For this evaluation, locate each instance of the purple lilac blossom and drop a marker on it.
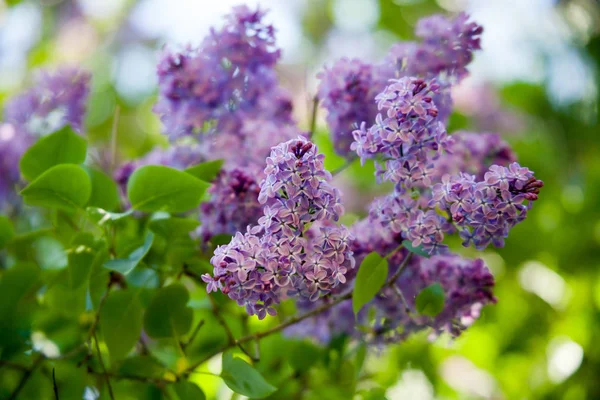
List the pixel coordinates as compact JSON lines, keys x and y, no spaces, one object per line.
{"x":347,"y":91}
{"x":12,"y":146}
{"x":467,"y":286}
{"x":294,"y":251}
{"x":407,"y":134}
{"x":55,"y":99}
{"x":474,"y":153}
{"x":228,"y":79}
{"x":484,"y":211}
{"x":233,"y":204}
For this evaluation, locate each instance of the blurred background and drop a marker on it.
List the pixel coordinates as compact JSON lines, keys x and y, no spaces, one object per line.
{"x":535,"y":82}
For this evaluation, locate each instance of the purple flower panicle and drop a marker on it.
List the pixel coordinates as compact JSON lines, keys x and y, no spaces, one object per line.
{"x":295,"y":250}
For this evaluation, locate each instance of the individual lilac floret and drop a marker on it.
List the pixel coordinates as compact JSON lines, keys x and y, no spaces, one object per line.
{"x":474,"y":153}
{"x":56,"y":99}
{"x":294,"y":250}
{"x":408,"y":135}
{"x":228,"y":79}
{"x":486,"y":210}
{"x":347,"y":91}
{"x":233,"y":204}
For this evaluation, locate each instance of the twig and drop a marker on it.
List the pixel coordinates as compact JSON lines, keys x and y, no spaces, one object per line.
{"x":106,"y":375}
{"x":313,"y":117}
{"x":26,"y":377}
{"x":54,"y":385}
{"x":223,"y":323}
{"x":343,"y":167}
{"x":397,"y":274}
{"x":193,"y":335}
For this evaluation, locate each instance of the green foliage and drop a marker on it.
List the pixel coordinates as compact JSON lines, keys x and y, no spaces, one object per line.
{"x":243,"y":379}
{"x":105,"y":194}
{"x":171,"y":228}
{"x":7,"y":232}
{"x":206,"y":171}
{"x":122,"y":317}
{"x":186,"y":391}
{"x":126,"y":265}
{"x":168,"y":314}
{"x":157,"y":188}
{"x":430,"y":300}
{"x":371,"y":277}
{"x":61,"y":147}
{"x":407,"y":244}
{"x":65,"y":187}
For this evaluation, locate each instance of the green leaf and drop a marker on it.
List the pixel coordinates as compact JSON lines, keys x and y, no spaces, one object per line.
{"x":242,"y":378}
{"x":304,"y":355}
{"x":126,"y":265}
{"x":64,"y":186}
{"x":171,"y":228}
{"x":103,"y":217}
{"x":61,"y":147}
{"x":158,"y":188}
{"x":7,"y":232}
{"x":187,"y":391}
{"x":370,"y":278}
{"x":168,"y":314}
{"x":81,"y":255}
{"x":15,"y":283}
{"x":430,"y":301}
{"x":105,"y":194}
{"x":207,"y":171}
{"x":417,"y":250}
{"x":49,"y":253}
{"x":121,"y":318}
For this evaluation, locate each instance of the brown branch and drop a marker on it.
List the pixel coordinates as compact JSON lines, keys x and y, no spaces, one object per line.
{"x":313,"y":117}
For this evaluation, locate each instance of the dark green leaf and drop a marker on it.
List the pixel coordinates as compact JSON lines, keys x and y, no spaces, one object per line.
{"x":371,"y":277}
{"x":143,"y":366}
{"x":417,"y":250}
{"x":171,"y":228}
{"x":7,"y":232}
{"x":121,"y":319}
{"x":15,"y":283}
{"x":103,"y":217}
{"x":126,"y":265}
{"x":158,"y":188}
{"x":207,"y":171}
{"x":187,"y":391}
{"x":64,"y":186}
{"x":168,"y":314}
{"x":105,"y":194}
{"x":430,"y":301}
{"x":61,"y":147}
{"x":304,"y":355}
{"x":242,"y":378}
{"x":81,"y":254}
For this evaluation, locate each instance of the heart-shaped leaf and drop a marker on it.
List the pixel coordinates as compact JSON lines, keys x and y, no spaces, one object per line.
{"x":168,"y":314}
{"x":371,"y":277}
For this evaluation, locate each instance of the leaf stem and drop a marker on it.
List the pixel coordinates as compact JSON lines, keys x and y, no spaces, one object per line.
{"x":105,"y":373}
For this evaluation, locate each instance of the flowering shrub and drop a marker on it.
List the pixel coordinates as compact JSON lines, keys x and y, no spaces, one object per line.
{"x":241,"y":203}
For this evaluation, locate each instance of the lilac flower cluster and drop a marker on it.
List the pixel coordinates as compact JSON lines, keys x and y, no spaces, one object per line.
{"x":391,"y":316}
{"x":486,"y":210}
{"x":408,"y":136}
{"x":12,"y":147}
{"x":56,"y":99}
{"x":347,"y":91}
{"x":233,"y":204}
{"x":225,"y":81}
{"x":294,"y":250}
{"x":474,"y":153}
{"x":446,"y":48}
